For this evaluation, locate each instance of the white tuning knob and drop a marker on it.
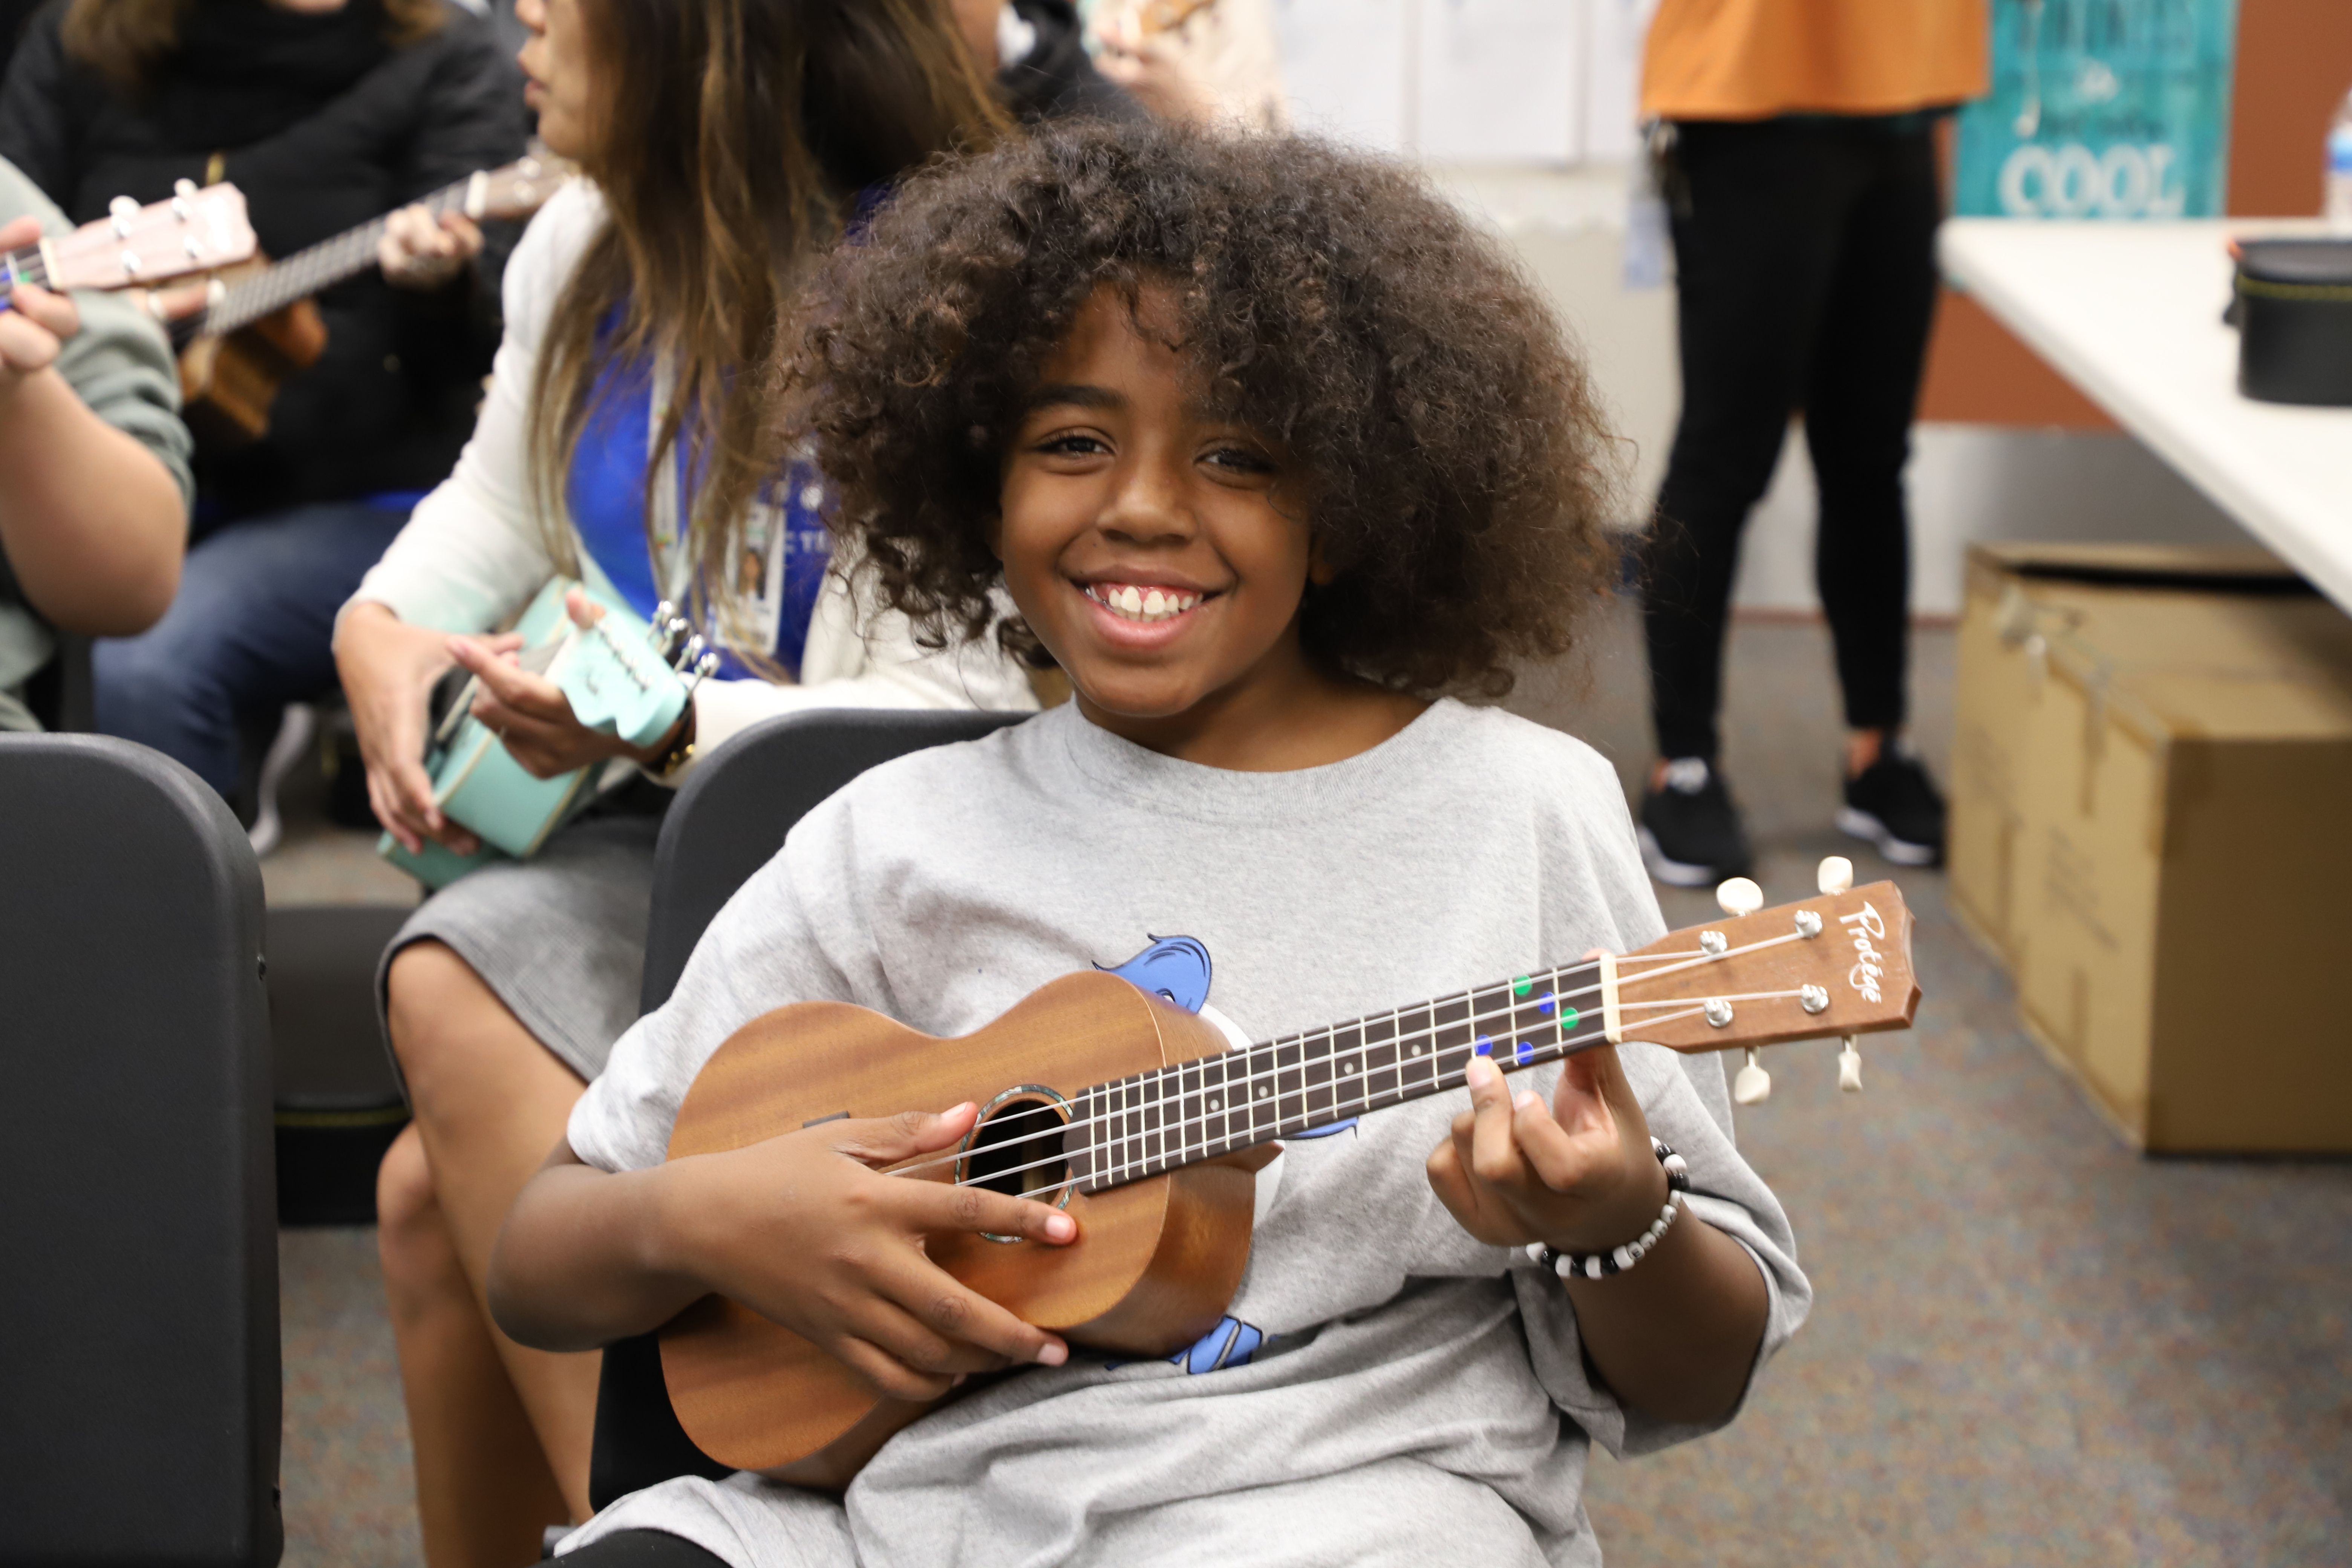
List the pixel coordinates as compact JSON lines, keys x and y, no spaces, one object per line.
{"x":1849,"y":1067}
{"x":1753,"y":1084}
{"x":1836,"y":875}
{"x":1739,"y":896}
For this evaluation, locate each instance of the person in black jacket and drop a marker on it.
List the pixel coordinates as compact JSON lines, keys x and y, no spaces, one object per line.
{"x":325,"y":113}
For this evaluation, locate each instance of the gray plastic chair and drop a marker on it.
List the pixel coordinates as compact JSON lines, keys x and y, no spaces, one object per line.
{"x":138,"y":1372}
{"x":727,"y":821}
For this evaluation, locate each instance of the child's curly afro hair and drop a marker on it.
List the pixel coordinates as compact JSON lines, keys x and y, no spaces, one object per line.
{"x":1429,"y":412}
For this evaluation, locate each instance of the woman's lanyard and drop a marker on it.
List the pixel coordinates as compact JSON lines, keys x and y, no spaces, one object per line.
{"x":769,"y":598}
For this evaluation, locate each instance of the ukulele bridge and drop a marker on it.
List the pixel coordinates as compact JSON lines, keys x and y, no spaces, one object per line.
{"x":1016,"y":1146}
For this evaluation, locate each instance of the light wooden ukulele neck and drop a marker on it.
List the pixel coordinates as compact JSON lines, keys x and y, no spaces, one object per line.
{"x":518,"y":190}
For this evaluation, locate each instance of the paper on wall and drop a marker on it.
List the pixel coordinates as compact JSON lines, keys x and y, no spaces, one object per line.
{"x":1501,"y":80}
{"x":1344,"y":64}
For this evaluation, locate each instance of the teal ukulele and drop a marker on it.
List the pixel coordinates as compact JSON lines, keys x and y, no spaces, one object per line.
{"x":624,"y":676}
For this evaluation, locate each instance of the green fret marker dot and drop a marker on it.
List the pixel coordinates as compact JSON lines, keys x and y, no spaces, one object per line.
{"x":1522,"y":985}
{"x":1567,"y":1019}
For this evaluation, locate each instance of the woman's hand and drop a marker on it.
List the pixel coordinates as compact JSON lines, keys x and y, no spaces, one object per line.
{"x":35,"y":323}
{"x":388,"y":669}
{"x":416,"y":252}
{"x":805,"y":1230}
{"x":531,"y":715}
{"x":1578,"y":1175}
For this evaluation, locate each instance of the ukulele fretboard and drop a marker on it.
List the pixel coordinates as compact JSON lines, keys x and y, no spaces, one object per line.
{"x":321,"y":266}
{"x":1156,"y":1122}
{"x":25,"y":266}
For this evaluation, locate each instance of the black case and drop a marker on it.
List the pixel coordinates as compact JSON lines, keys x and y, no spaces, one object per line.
{"x":2294,"y":313}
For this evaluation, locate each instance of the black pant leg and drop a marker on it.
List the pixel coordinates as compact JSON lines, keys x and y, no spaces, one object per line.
{"x":1860,"y":401}
{"x":1754,"y":246}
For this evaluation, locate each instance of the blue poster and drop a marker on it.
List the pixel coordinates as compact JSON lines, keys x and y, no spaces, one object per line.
{"x":2102,"y":109}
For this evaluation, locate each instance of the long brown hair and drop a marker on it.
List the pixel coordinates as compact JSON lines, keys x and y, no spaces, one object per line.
{"x":735,"y":133}
{"x":122,"y":40}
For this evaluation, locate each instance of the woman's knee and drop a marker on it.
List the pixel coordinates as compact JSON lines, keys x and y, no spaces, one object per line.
{"x":430,"y":994}
{"x":412,"y":1238}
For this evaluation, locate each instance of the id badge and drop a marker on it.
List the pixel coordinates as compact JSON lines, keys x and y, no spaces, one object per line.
{"x":759,"y":585}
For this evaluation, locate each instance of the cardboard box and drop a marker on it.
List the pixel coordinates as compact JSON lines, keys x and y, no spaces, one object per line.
{"x":2152,"y":825}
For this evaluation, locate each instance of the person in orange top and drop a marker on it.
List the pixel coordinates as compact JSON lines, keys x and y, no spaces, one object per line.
{"x":1797,"y":157}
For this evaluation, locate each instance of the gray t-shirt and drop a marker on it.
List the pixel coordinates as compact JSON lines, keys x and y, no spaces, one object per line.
{"x":120,"y":363}
{"x":1385,"y":1388}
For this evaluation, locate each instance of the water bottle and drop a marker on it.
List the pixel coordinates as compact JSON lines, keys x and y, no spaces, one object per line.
{"x":2339,"y":205}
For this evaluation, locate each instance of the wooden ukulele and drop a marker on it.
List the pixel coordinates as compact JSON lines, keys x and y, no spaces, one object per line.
{"x":243,"y":339}
{"x":1136,"y":1116}
{"x":194,"y":231}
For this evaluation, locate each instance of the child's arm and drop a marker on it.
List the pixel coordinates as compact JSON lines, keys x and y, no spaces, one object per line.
{"x":802,"y":1229}
{"x":1676,"y":1337}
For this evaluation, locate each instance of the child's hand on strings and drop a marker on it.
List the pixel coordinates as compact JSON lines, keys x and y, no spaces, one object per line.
{"x":805,"y":1230}
{"x":1578,"y":1175}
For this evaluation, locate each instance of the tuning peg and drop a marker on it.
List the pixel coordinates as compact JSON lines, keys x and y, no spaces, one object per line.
{"x":1753,"y":1084}
{"x":1849,"y":1067}
{"x":1836,"y":875}
{"x":1739,"y":896}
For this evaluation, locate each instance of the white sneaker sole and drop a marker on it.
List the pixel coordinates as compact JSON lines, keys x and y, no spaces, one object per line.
{"x":1862,"y":824}
{"x":1673,"y":873}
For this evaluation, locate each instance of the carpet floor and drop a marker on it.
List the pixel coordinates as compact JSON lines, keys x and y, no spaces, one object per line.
{"x":2029,"y":1346}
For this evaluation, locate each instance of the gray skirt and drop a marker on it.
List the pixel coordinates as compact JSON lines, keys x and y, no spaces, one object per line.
{"x":558,"y":938}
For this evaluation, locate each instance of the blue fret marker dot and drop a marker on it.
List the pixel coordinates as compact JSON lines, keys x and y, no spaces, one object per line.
{"x":1485,"y":1048}
{"x":1527,"y":1052}
{"x":1545,"y":1003}
{"x":1522,"y":985}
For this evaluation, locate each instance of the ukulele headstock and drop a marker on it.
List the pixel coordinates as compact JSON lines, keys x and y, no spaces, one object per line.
{"x":197,"y":230}
{"x":1836,"y":964}
{"x":517,"y":189}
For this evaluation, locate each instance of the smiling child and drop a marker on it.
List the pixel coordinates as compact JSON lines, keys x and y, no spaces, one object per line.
{"x":1272,"y":453}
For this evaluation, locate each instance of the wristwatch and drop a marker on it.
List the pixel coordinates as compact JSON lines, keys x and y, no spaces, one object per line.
{"x":679,"y":752}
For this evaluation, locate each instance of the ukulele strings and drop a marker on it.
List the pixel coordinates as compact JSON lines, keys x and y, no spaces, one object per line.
{"x":25,"y":266}
{"x":1428,"y":1032}
{"x":317,"y":266}
{"x":1558,"y":1051}
{"x":1535,"y":1056}
{"x":1684,"y":958}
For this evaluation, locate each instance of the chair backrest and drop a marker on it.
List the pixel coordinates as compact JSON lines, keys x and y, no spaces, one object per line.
{"x":727,"y":821}
{"x":138,"y":1372}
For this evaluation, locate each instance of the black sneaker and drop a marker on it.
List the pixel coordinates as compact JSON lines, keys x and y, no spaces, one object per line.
{"x":1896,"y":807}
{"x":1691,"y":835}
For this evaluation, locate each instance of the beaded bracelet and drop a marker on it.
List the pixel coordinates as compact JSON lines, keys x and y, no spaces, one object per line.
{"x":1617,"y":1259}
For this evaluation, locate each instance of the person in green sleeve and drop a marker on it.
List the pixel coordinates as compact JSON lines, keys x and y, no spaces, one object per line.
{"x":94,"y":478}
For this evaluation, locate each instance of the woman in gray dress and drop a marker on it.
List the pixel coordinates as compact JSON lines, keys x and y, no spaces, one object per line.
{"x":725,"y":139}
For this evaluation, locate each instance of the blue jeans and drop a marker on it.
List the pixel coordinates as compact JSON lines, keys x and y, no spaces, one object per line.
{"x":250,"y":631}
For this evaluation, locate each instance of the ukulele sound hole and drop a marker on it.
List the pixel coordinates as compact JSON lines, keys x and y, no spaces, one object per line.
{"x":1016,"y":1148}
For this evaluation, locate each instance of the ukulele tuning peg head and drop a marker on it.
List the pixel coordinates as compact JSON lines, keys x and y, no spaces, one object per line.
{"x":707,"y":665}
{"x":1849,"y":1067}
{"x":1835,"y":876}
{"x":1753,"y":1084}
{"x":1739,"y":896}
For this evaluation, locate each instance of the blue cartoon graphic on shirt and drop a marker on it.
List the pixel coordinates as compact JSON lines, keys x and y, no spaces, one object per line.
{"x":1173,"y":967}
{"x":1177,"y":969}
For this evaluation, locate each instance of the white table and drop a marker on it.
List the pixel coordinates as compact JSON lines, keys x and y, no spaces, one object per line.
{"x":2131,"y":312}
